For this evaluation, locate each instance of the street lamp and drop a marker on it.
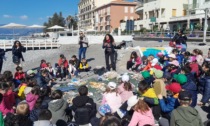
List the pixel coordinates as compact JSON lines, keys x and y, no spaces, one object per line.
{"x":205,"y":24}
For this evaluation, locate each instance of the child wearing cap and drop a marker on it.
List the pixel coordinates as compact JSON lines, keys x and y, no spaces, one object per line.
{"x":112,"y":97}
{"x":142,"y":115}
{"x":186,"y":70}
{"x":125,"y":89}
{"x":187,"y":85}
{"x":155,"y":64}
{"x":171,"y":102}
{"x":149,"y":96}
{"x":147,"y":77}
{"x":185,"y":115}
{"x":172,"y":60}
{"x":178,"y":55}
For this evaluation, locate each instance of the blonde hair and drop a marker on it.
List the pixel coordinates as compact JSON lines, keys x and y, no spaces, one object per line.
{"x":22,"y":108}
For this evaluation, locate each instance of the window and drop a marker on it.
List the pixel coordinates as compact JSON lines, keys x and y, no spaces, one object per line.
{"x":126,"y":9}
{"x":126,"y":18}
{"x":184,"y":13}
{"x":132,"y":10}
{"x":173,"y":12}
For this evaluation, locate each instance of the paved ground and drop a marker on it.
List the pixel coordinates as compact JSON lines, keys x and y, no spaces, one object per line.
{"x":95,"y":53}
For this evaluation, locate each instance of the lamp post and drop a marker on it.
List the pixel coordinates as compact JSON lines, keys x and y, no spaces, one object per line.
{"x":206,"y":10}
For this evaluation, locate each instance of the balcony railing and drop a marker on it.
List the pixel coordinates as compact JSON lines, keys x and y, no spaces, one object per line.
{"x":193,"y":6}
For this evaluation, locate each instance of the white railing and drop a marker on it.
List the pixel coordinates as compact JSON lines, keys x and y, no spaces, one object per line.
{"x":31,"y":43}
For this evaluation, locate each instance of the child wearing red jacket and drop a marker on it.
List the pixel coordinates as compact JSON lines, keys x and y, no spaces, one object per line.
{"x":19,"y":75}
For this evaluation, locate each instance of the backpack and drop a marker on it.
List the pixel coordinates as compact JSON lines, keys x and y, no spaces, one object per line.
{"x":82,"y":115}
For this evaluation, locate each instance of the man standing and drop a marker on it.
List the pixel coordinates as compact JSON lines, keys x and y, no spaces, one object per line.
{"x":2,"y":53}
{"x":83,"y":42}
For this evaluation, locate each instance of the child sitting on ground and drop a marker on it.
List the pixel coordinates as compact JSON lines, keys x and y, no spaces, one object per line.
{"x":50,"y":69}
{"x":62,"y":72}
{"x":32,"y":97}
{"x":125,"y":89}
{"x":185,"y":115}
{"x":19,"y":74}
{"x":72,"y":70}
{"x":111,"y":97}
{"x":83,"y":66}
{"x":171,"y":102}
{"x":43,"y":64}
{"x":44,"y":118}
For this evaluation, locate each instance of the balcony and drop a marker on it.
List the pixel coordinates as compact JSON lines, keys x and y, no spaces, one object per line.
{"x":187,"y":17}
{"x":193,"y":6}
{"x":139,"y":8}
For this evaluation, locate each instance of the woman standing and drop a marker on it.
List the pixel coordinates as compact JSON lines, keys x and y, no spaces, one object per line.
{"x":17,"y":50}
{"x":109,"y":46}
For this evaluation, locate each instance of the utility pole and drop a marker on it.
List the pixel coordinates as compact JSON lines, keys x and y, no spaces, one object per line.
{"x":206,"y":10}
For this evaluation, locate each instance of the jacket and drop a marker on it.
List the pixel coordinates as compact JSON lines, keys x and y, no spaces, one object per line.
{"x":34,"y":114}
{"x":18,"y":52}
{"x":159,"y":87}
{"x":185,"y":116}
{"x":57,"y":108}
{"x":83,"y":65}
{"x":142,"y":119}
{"x":180,"y":39}
{"x":83,"y":42}
{"x":137,"y":61}
{"x":195,"y":68}
{"x":1,"y":120}
{"x":180,"y":58}
{"x":20,"y":76}
{"x":31,"y":100}
{"x":42,"y":81}
{"x":192,"y":88}
{"x":110,"y":48}
{"x":43,"y":123}
{"x":4,"y":108}
{"x":21,"y":89}
{"x":113,"y":100}
{"x":65,"y":63}
{"x":125,"y":95}
{"x":205,"y":82}
{"x":10,"y":99}
{"x":2,"y":54}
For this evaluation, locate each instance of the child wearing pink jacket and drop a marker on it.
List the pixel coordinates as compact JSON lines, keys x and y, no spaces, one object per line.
{"x":32,"y":97}
{"x":111,"y":97}
{"x":142,"y":115}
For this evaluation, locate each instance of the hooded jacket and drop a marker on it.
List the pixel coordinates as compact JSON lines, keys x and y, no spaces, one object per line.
{"x":205,"y":88}
{"x":31,"y":100}
{"x":43,"y":123}
{"x":142,"y":118}
{"x":185,"y":116}
{"x":57,"y":108}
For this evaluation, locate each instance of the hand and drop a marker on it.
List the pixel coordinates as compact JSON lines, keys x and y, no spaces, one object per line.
{"x":200,"y":103}
{"x":160,"y":96}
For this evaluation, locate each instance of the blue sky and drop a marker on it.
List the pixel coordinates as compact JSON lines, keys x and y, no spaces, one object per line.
{"x":30,"y":12}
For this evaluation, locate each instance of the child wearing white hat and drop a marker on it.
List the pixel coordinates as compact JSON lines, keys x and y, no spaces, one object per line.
{"x":111,"y":97}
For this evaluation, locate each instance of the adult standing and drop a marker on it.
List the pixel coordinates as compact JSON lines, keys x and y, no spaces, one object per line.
{"x":109,"y":46}
{"x":2,"y":53}
{"x":17,"y":55}
{"x":180,"y":39}
{"x":83,"y":42}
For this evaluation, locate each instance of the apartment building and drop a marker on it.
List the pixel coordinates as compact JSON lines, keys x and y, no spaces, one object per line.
{"x":108,"y":16}
{"x":86,"y":13}
{"x":157,"y":12}
{"x":195,"y":15}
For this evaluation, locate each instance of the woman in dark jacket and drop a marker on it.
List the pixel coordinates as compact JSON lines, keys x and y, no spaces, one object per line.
{"x":17,"y":55}
{"x":181,"y":39}
{"x":109,"y":46}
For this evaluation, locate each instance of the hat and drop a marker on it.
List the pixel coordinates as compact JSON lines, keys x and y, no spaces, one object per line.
{"x":145,"y":74}
{"x":154,"y":61}
{"x":174,"y":62}
{"x":172,"y":56}
{"x":27,"y":90}
{"x":158,"y":73}
{"x":185,"y":95}
{"x":192,"y":59}
{"x":180,"y":78}
{"x":174,"y":87}
{"x":112,"y":85}
{"x":178,"y":46}
{"x":132,"y":101}
{"x":104,"y":109}
{"x":167,"y":75}
{"x":159,"y":54}
{"x":125,"y":78}
{"x":29,"y":72}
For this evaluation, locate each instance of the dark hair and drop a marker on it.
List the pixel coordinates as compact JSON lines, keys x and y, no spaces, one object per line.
{"x":74,"y":56}
{"x":44,"y":72}
{"x":83,"y":90}
{"x":38,"y":103}
{"x":43,"y":61}
{"x":175,"y":51}
{"x":134,"y":54}
{"x":45,"y":115}
{"x":187,"y":53}
{"x":71,"y":62}
{"x":45,"y":92}
{"x":35,"y":90}
{"x":16,"y":43}
{"x":57,"y":94}
{"x":207,"y":65}
{"x":110,"y":120}
{"x":187,"y":69}
{"x":8,"y":76}
{"x":127,"y":86}
{"x":4,"y":86}
{"x":31,"y":82}
{"x":198,"y":51}
{"x":61,"y":56}
{"x":143,"y":86}
{"x":110,"y":37}
{"x":18,"y":68}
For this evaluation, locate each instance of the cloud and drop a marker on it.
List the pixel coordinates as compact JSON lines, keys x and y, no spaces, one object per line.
{"x":40,"y":18}
{"x":7,"y":16}
{"x":24,"y":17}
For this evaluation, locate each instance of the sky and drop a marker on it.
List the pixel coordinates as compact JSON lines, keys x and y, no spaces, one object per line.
{"x":29,"y":12}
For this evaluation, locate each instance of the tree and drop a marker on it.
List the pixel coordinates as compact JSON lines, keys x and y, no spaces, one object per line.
{"x":56,"y":19}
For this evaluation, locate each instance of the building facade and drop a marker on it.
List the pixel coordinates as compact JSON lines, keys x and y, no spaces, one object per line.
{"x":158,"y":12}
{"x":109,"y":16}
